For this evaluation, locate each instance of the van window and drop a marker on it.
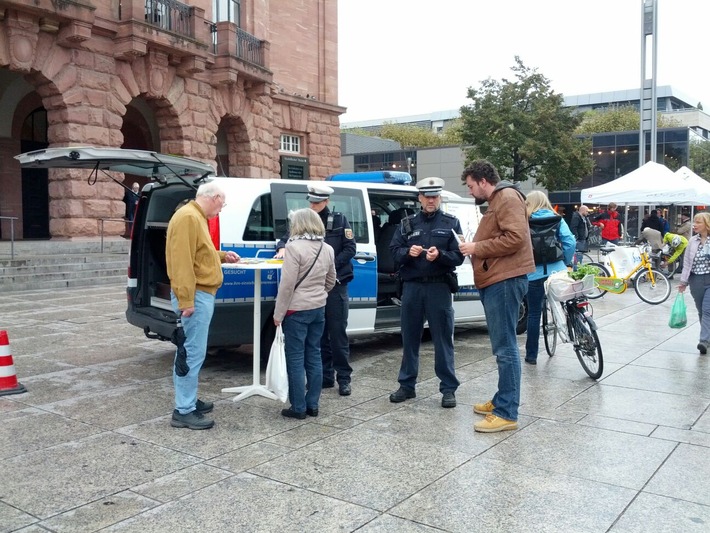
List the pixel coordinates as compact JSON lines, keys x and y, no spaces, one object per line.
{"x":348,"y":202}
{"x":260,"y":223}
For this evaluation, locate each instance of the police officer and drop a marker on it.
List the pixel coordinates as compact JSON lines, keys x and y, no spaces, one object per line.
{"x":427,"y":249}
{"x":335,"y":349}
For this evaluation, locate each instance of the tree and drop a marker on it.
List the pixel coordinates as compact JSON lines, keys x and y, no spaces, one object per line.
{"x":523,"y":128}
{"x":409,"y":135}
{"x":618,"y":118}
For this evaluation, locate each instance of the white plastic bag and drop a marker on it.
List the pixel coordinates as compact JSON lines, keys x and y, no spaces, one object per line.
{"x":276,"y":375}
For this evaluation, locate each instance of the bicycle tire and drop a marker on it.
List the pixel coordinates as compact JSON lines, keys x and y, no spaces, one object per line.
{"x":586,"y":343}
{"x":652,"y":293}
{"x":670,"y":269}
{"x":597,"y":292}
{"x":549,"y":329}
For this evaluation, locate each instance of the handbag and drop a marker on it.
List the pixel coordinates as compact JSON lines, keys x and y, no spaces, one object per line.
{"x":276,"y":374}
{"x":679,"y":317}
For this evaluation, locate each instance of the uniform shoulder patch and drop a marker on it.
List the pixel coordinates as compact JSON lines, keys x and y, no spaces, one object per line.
{"x":348,"y":233}
{"x":448,"y":215}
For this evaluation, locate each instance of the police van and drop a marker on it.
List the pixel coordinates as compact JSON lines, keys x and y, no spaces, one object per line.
{"x":254,"y":219}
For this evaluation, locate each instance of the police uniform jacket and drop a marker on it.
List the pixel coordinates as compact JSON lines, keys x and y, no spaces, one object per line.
{"x":339,"y":235}
{"x":427,"y":231}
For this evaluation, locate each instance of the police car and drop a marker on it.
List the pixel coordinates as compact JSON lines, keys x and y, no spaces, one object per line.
{"x":254,"y":219}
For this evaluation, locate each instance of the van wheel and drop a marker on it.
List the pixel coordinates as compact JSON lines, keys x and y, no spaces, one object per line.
{"x":268,"y":333}
{"x":522,"y":325}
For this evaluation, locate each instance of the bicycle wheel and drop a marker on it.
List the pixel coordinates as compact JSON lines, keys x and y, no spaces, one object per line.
{"x":595,"y":293}
{"x":586,"y":343}
{"x":652,"y":292}
{"x":669,"y":269}
{"x":549,"y":329}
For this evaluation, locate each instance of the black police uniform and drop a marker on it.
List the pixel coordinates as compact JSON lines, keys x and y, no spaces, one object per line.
{"x":335,"y":348}
{"x":426,"y":293}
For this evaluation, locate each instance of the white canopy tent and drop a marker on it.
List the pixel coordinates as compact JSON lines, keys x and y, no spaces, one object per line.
{"x":652,"y":184}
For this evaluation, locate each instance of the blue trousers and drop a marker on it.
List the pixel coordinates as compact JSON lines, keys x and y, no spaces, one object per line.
{"x":196,"y":328}
{"x":699,"y":285}
{"x":433,"y":302}
{"x":335,"y":347}
{"x":302,"y":336}
{"x":536,"y":303}
{"x":501,"y":302}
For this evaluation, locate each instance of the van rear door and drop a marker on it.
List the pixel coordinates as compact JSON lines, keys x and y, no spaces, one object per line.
{"x":351,"y":200}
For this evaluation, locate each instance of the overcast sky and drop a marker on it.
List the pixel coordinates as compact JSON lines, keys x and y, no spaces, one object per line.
{"x":411,"y":57}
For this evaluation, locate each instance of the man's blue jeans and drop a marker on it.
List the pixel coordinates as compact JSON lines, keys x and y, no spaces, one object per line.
{"x":302,"y":336}
{"x":501,"y":302}
{"x":196,"y":328}
{"x":536,"y":303}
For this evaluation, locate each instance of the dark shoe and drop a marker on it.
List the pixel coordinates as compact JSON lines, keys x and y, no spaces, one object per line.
{"x":702,"y":347}
{"x":448,"y":400}
{"x":192,"y":420}
{"x":289,"y":413}
{"x":204,"y":407}
{"x":402,"y":394}
{"x":344,"y":389}
{"x":531,"y":361}
{"x":311,"y":412}
{"x":328,"y":384}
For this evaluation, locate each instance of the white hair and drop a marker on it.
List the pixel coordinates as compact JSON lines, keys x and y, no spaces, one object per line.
{"x":211,"y":189}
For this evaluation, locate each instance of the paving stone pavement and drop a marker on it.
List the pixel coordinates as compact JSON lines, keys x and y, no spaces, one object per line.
{"x":89,"y":447}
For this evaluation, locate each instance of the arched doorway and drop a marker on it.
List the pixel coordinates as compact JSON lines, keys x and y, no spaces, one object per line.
{"x":35,"y":181}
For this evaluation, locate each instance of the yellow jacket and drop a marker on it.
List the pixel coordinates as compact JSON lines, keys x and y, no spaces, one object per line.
{"x":193,"y":263}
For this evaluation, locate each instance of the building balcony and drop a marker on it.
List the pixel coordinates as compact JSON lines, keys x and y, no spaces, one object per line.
{"x":238,"y":54}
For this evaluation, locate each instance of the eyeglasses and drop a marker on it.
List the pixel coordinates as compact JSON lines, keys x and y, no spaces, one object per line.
{"x":221,"y":199}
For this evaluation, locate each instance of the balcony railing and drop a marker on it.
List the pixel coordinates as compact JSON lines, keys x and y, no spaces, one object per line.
{"x":169,"y":15}
{"x":249,"y":48}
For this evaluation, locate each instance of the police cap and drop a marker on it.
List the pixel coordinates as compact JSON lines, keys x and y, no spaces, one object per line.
{"x":430,"y":186}
{"x":318,"y":193}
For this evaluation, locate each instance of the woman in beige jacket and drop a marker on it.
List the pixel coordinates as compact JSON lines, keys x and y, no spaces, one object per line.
{"x":307,"y":275}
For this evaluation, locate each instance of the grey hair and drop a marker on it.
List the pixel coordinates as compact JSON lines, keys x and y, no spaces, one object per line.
{"x":306,"y":222}
{"x":211,"y":189}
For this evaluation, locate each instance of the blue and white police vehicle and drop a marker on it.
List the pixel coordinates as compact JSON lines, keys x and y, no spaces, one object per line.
{"x":255,"y":217}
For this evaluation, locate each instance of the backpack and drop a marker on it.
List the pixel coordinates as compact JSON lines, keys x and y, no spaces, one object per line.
{"x":546,"y":245}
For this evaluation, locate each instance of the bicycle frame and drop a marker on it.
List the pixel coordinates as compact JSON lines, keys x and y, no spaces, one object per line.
{"x":617,"y":285}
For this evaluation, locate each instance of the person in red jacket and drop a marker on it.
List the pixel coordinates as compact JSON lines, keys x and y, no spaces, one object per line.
{"x":610,"y":224}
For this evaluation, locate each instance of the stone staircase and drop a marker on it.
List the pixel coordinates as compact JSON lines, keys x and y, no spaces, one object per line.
{"x":61,"y":264}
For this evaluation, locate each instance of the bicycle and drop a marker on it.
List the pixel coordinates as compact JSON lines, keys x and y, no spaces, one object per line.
{"x":568,"y":316}
{"x":650,"y":284}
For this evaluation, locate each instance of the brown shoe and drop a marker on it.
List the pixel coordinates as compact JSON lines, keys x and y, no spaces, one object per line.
{"x":483,"y":408}
{"x":494,"y":424}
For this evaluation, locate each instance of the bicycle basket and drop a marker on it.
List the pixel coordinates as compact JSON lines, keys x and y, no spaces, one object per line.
{"x":563,"y":289}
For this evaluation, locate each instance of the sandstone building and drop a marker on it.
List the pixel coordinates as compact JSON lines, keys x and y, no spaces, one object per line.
{"x":247,"y":85}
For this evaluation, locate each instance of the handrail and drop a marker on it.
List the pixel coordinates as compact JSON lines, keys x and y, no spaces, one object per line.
{"x":102,"y":228}
{"x":12,"y":234}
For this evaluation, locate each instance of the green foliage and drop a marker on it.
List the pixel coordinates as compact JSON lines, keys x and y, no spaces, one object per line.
{"x":409,"y":135}
{"x":583,"y":270}
{"x":618,"y":118}
{"x":523,"y":128}
{"x":699,"y":156}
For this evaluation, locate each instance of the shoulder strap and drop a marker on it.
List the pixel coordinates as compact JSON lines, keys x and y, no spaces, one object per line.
{"x":309,"y":268}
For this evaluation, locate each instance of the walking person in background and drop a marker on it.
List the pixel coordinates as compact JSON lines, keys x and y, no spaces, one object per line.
{"x":195,"y":272}
{"x":610,"y":224}
{"x":538,"y":208}
{"x":684,"y":229}
{"x":335,"y":346}
{"x":696,"y":275}
{"x":580,"y":226}
{"x":130,"y":198}
{"x":307,"y":275}
{"x":427,"y":251}
{"x":654,"y":222}
{"x":501,"y":253}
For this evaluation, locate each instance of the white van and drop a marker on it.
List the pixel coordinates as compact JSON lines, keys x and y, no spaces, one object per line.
{"x":251,"y":223}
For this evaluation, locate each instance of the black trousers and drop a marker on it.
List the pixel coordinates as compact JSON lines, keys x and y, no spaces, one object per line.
{"x":335,"y":348}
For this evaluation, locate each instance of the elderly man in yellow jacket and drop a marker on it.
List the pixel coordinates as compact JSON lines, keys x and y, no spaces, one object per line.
{"x":195,"y":272}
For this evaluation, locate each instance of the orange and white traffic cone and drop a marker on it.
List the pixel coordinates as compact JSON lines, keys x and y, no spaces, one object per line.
{"x":8,"y":378}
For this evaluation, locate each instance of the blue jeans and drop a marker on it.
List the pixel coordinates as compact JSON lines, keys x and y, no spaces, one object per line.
{"x":335,"y":347}
{"x":699,"y":285}
{"x":433,"y":302}
{"x":196,"y":328}
{"x":302,"y":335}
{"x":536,"y":303}
{"x":501,"y":302}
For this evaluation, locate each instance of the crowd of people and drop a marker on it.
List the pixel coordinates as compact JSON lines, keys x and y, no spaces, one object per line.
{"x":312,"y":300}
